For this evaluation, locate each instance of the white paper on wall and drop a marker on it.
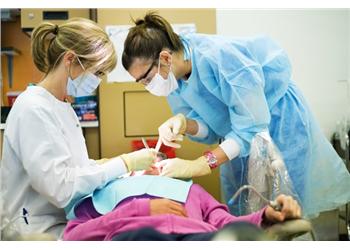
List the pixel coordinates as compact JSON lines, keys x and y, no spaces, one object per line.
{"x":118,"y":33}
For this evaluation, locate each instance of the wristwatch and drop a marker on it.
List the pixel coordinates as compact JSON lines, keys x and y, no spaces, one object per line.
{"x":211,"y":159}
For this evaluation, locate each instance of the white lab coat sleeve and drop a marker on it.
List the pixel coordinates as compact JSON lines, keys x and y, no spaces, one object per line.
{"x":112,"y":164}
{"x":231,"y":148}
{"x":47,"y":159}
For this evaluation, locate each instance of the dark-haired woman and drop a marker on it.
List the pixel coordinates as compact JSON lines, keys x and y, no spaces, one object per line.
{"x":229,"y":90}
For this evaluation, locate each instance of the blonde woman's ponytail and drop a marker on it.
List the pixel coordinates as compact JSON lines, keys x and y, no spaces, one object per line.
{"x":39,"y":44}
{"x":82,"y":36}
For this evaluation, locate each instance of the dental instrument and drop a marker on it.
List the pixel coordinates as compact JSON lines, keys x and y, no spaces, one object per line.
{"x":159,"y":144}
{"x":144,"y":143}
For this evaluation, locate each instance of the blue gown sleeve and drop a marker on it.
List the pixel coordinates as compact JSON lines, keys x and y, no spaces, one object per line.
{"x":178,"y":105}
{"x":239,"y":81}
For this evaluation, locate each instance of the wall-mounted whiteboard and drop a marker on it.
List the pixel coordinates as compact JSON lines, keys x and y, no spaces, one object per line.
{"x":118,"y":33}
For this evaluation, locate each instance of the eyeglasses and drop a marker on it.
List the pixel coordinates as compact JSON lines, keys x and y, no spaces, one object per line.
{"x":99,"y":74}
{"x":143,"y":79}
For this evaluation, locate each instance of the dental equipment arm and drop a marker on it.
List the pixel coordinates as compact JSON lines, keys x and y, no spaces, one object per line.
{"x":274,"y":204}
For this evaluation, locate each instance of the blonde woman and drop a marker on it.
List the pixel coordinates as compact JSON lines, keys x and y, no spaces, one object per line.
{"x":45,"y":163}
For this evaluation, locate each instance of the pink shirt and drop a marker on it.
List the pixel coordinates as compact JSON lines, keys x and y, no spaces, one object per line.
{"x":205,"y":214}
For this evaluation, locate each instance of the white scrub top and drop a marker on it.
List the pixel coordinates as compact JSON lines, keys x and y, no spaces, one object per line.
{"x":45,"y":162}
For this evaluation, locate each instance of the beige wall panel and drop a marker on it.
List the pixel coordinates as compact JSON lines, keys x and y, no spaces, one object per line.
{"x":143,"y":113}
{"x":30,"y":18}
{"x":92,"y":140}
{"x":205,"y":19}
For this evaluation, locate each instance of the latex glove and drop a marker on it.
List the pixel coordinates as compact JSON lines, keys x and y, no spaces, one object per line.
{"x":172,"y":130}
{"x":290,"y":210}
{"x":179,"y":168}
{"x":139,"y":160}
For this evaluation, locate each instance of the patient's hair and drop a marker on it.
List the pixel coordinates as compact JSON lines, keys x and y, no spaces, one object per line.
{"x":161,"y":156}
{"x":82,"y":36}
{"x":148,"y":38}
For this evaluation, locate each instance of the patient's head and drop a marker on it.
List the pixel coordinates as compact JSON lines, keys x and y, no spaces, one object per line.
{"x":154,"y":170}
{"x":161,"y":156}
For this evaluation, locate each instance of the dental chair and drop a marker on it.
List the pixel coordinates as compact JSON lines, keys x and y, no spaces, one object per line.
{"x":243,"y":231}
{"x":287,"y":230}
{"x":267,"y":180}
{"x":290,"y":230}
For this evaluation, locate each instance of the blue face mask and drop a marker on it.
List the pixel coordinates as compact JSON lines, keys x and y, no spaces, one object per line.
{"x":83,"y":85}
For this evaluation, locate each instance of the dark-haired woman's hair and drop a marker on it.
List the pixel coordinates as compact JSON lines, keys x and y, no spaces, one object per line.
{"x":148,"y":38}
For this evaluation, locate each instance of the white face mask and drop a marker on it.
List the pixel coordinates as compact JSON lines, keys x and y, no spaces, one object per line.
{"x":160,"y":86}
{"x":83,"y":85}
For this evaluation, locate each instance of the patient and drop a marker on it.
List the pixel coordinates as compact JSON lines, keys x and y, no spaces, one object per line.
{"x":199,"y":217}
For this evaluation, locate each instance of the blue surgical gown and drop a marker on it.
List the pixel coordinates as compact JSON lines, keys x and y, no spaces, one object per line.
{"x":239,"y":87}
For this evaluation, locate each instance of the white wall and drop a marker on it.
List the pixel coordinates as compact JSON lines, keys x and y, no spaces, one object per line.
{"x":317,"y":42}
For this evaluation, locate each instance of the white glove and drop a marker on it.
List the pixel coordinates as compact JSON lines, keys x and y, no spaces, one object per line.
{"x":140,"y":160}
{"x":178,"y":168}
{"x":173,"y":130}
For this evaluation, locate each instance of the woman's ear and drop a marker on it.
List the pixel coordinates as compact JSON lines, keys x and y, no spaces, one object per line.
{"x":165,"y":58}
{"x":68,"y":58}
